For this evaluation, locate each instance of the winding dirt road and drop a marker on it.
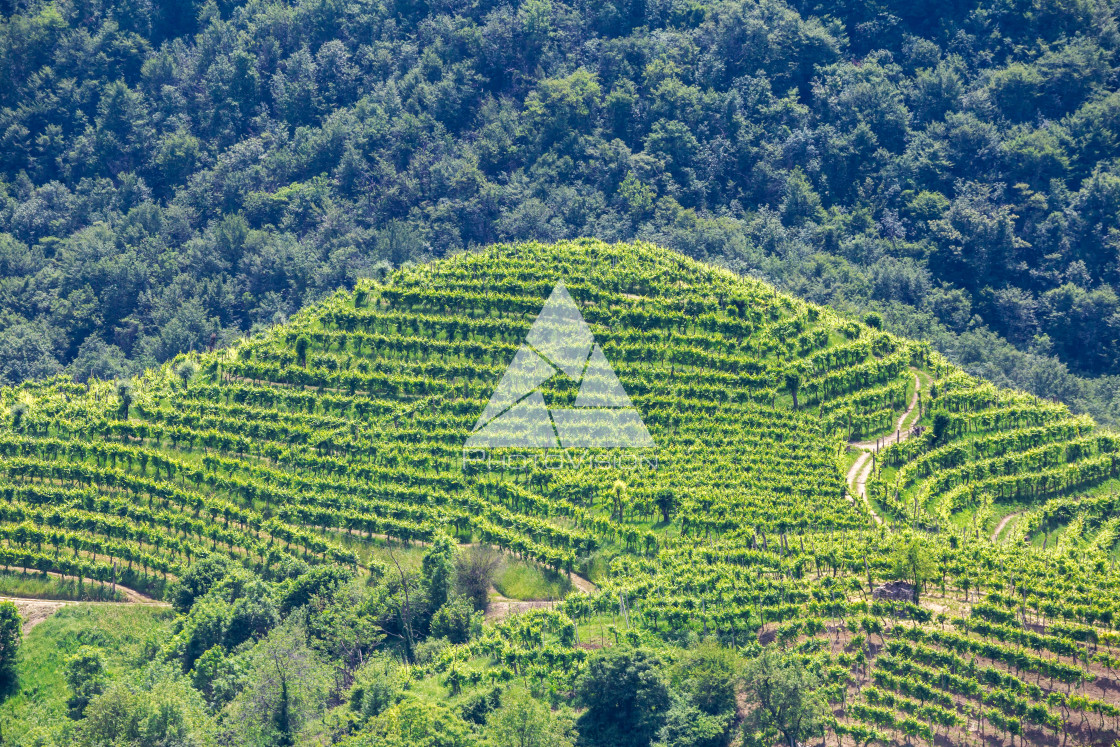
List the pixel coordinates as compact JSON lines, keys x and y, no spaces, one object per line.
{"x":859,"y":472}
{"x":33,"y":610}
{"x":1006,"y":520}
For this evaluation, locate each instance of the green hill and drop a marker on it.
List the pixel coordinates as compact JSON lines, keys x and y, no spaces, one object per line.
{"x":316,"y":442}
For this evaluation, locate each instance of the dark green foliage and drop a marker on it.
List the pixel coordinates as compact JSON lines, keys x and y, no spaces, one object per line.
{"x":11,"y":631}
{"x":627,"y":697}
{"x":667,"y":503}
{"x":940,"y":426}
{"x":158,"y":196}
{"x":688,"y":726}
{"x":302,"y":344}
{"x":457,"y":621}
{"x":318,"y":581}
{"x":203,"y":574}
{"x":86,"y":677}
{"x":375,"y":688}
{"x":477,"y":707}
{"x":708,"y":675}
{"x":438,"y":574}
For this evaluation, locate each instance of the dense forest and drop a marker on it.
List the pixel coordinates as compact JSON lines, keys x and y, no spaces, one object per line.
{"x":174,"y":174}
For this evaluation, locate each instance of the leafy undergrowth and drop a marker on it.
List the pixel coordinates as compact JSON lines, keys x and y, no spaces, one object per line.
{"x":124,"y":634}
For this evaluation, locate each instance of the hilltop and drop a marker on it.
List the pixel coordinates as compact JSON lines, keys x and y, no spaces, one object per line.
{"x":176,"y":173}
{"x":327,"y":441}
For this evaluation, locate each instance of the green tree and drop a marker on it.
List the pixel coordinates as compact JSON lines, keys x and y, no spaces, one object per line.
{"x":793,"y":382}
{"x":124,"y":395}
{"x":912,"y":561}
{"x":940,"y":426}
{"x":688,"y":726}
{"x":186,"y":371}
{"x":302,"y":344}
{"x":11,"y":632}
{"x":288,"y":686}
{"x":783,"y":698}
{"x":523,"y":721}
{"x":376,"y":687}
{"x":627,"y":696}
{"x":414,"y":723}
{"x":86,"y":677}
{"x":156,"y":709}
{"x":708,"y":674}
{"x":667,"y":502}
{"x":457,"y":621}
{"x":438,"y":571}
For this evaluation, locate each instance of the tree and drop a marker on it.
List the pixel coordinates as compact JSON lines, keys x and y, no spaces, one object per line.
{"x":11,"y":631}
{"x":124,"y":394}
{"x":940,"y":426}
{"x":438,"y":571}
{"x":688,"y":726}
{"x":666,"y":500}
{"x":288,"y":685}
{"x":523,"y":721}
{"x":784,"y":698}
{"x":86,"y":677}
{"x":912,"y":562}
{"x":157,"y":708}
{"x":197,"y":580}
{"x":414,"y":723}
{"x":186,"y":372}
{"x":793,"y":383}
{"x":626,"y":695}
{"x":18,"y":412}
{"x":474,"y":574}
{"x":707,"y":674}
{"x":618,"y":498}
{"x":376,"y":687}
{"x":457,"y":621}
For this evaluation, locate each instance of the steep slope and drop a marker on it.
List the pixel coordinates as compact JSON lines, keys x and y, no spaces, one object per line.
{"x":350,"y":422}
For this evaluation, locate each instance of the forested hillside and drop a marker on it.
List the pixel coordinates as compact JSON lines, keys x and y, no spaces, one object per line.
{"x":303,"y":500}
{"x":175,"y":173}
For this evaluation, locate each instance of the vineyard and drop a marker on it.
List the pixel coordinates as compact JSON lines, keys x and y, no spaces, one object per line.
{"x":345,"y":426}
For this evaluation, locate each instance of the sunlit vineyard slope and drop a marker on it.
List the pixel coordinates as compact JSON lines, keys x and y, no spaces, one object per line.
{"x":348,"y":425}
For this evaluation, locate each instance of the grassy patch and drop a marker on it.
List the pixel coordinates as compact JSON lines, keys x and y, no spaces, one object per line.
{"x":410,"y":556}
{"x":35,"y":586}
{"x":124,"y":632}
{"x":523,"y":581}
{"x":850,"y":457}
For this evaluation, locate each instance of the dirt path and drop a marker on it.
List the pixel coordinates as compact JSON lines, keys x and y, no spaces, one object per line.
{"x":131,"y":596}
{"x":860,"y":472}
{"x":35,"y":611}
{"x":899,"y":434}
{"x":857,"y":482}
{"x":498,"y":607}
{"x":1003,"y":524}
